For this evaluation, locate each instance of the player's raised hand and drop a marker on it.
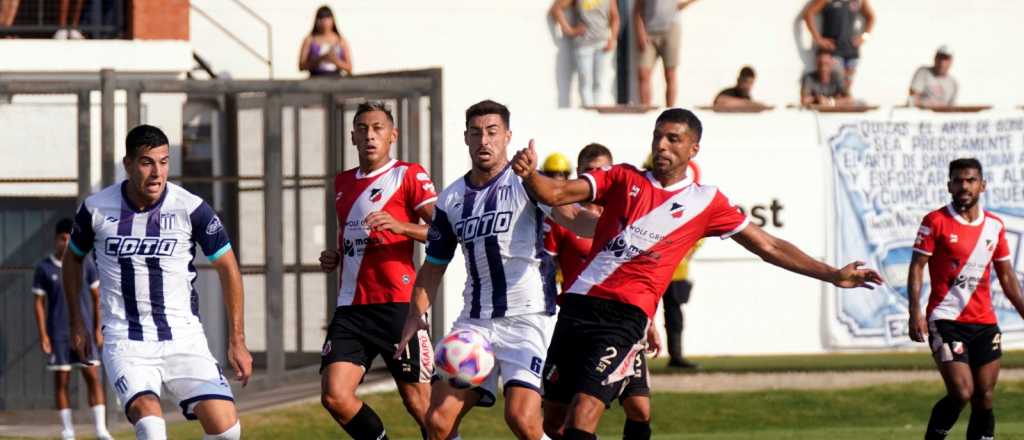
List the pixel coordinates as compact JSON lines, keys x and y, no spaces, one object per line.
{"x":918,"y":327}
{"x":329,"y":260}
{"x":413,"y":324}
{"x":854,"y":275}
{"x":524,"y":163}
{"x":240,"y":360}
{"x":383,"y":221}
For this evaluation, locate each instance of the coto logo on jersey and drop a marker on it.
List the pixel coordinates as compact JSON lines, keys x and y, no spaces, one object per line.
{"x":128,"y":246}
{"x":677,"y":210}
{"x":375,"y":195}
{"x":489,"y":223}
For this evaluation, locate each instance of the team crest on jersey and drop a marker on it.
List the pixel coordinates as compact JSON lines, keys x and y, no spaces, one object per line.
{"x":167,"y":220}
{"x":375,"y":195}
{"x":405,"y":279}
{"x":214,"y":226}
{"x":677,"y":210}
{"x":953,"y":238}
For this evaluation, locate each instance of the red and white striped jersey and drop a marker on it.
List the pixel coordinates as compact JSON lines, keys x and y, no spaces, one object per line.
{"x":376,"y":266}
{"x":960,"y":265}
{"x":645,"y":230}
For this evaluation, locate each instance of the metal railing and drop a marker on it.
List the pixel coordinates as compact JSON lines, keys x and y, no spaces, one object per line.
{"x":267,"y":59}
{"x":42,"y":18}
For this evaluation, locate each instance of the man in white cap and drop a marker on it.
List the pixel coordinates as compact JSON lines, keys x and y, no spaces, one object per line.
{"x":933,"y":86}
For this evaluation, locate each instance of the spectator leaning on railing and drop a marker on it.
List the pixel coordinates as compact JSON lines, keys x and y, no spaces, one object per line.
{"x":739,"y":95}
{"x":825,"y":85}
{"x":933,"y":85}
{"x":325,"y":52}
{"x":594,"y":36}
{"x":838,"y":33}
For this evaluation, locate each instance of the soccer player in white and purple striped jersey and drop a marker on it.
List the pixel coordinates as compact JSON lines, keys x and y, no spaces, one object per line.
{"x":144,"y":233}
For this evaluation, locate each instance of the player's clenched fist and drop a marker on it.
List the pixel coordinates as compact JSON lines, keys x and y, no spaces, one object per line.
{"x":524,"y":163}
{"x":329,"y":260}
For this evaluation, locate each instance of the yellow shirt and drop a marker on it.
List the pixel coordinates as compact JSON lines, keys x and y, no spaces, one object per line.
{"x":683,"y":269}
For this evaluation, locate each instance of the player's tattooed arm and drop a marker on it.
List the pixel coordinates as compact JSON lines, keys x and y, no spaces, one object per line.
{"x":544,"y":189}
{"x":1010,"y":284}
{"x":231,"y":285}
{"x":916,"y":325}
{"x":71,"y":280}
{"x":787,"y":256}
{"x":428,"y":278}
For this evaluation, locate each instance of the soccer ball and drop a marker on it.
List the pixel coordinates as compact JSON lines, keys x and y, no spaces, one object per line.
{"x":464,"y":358}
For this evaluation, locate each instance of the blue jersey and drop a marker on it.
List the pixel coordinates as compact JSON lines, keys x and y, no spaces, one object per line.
{"x":501,"y":232}
{"x":144,"y":259}
{"x":47,"y":282}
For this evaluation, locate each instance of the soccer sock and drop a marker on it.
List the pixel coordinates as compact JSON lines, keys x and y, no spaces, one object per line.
{"x":233,"y":433}
{"x":982,"y":425}
{"x":151,"y":428}
{"x":634,"y":430}
{"x":366,"y":425}
{"x":99,"y":417}
{"x":576,"y":434}
{"x":944,"y":415}
{"x":65,"y":420}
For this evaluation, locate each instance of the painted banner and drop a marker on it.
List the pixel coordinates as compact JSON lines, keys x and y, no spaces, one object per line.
{"x":887,"y":175}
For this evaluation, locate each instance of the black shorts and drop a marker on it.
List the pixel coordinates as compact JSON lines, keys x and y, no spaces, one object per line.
{"x":973,"y":344}
{"x":593,"y":348}
{"x":640,"y":383}
{"x":359,"y":333}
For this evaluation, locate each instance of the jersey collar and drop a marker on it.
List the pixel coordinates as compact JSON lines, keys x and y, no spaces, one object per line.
{"x":376,"y":172}
{"x":959,"y":219}
{"x":55,"y":261}
{"x":673,"y":187}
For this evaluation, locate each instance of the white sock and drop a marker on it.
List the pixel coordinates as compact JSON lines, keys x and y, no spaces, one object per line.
{"x":544,"y":437}
{"x":65,"y":420}
{"x":233,"y":433}
{"x":151,"y":428}
{"x":99,"y":416}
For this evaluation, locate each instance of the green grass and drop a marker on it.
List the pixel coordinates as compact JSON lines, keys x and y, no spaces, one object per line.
{"x":879,"y":412}
{"x":821,"y":362}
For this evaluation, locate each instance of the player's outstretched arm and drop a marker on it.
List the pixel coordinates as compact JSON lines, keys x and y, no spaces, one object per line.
{"x":581,"y":222}
{"x":545,"y":189}
{"x":787,"y":256}
{"x":1010,"y":284}
{"x":231,"y":284}
{"x":423,"y":293}
{"x":917,"y":326}
{"x":71,"y":280}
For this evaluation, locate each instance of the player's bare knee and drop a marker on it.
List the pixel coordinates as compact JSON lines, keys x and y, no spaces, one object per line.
{"x":144,"y":406}
{"x":341,"y":404}
{"x":522,"y":424}
{"x":963,"y":394}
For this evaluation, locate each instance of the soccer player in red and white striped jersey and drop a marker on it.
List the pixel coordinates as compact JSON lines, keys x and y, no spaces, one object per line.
{"x":650,"y":221}
{"x":960,"y":243}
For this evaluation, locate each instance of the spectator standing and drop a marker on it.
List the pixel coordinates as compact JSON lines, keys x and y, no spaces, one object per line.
{"x":838,"y":33}
{"x":8,"y":10}
{"x":676,"y":296}
{"x":825,"y":85}
{"x":594,"y":36}
{"x":658,"y":34}
{"x":69,"y":32}
{"x":739,"y":95}
{"x":933,"y":85}
{"x":325,"y":52}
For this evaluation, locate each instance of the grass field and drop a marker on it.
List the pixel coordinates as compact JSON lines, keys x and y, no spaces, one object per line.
{"x":881,"y":412}
{"x":818,"y":362}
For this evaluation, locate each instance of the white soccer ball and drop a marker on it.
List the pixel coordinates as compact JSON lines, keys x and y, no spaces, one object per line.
{"x":464,"y":358}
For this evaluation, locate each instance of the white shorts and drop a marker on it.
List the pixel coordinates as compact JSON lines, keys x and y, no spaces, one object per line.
{"x":185,"y":367}
{"x":520,"y":344}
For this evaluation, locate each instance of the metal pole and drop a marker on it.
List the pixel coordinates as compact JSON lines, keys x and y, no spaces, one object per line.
{"x":331,"y":161}
{"x":437,"y":318}
{"x":134,"y":108}
{"x":297,"y":171}
{"x":107,"y":87}
{"x":84,"y":145}
{"x":274,"y":235}
{"x":231,"y":169}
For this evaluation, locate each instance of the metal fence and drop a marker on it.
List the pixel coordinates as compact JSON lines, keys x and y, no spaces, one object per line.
{"x":264,"y":153}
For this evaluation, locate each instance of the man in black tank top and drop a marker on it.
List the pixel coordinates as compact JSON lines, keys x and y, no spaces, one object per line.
{"x":838,"y":32}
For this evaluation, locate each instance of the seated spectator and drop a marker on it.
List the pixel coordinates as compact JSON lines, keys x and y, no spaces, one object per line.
{"x":933,"y":85}
{"x":325,"y":51}
{"x":825,"y":85}
{"x":739,"y":95}
{"x":8,"y":10}
{"x":594,"y":37}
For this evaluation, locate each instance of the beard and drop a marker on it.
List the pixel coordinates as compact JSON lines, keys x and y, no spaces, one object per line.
{"x":962,"y":205}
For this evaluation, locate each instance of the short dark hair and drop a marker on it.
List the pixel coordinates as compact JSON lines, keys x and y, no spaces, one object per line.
{"x":488,"y":107}
{"x":965,"y":163}
{"x":143,"y":137}
{"x":593,"y":151}
{"x":682,"y":116}
{"x":64,"y":226}
{"x":747,"y":72}
{"x":823,"y":50}
{"x":373,"y":106}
